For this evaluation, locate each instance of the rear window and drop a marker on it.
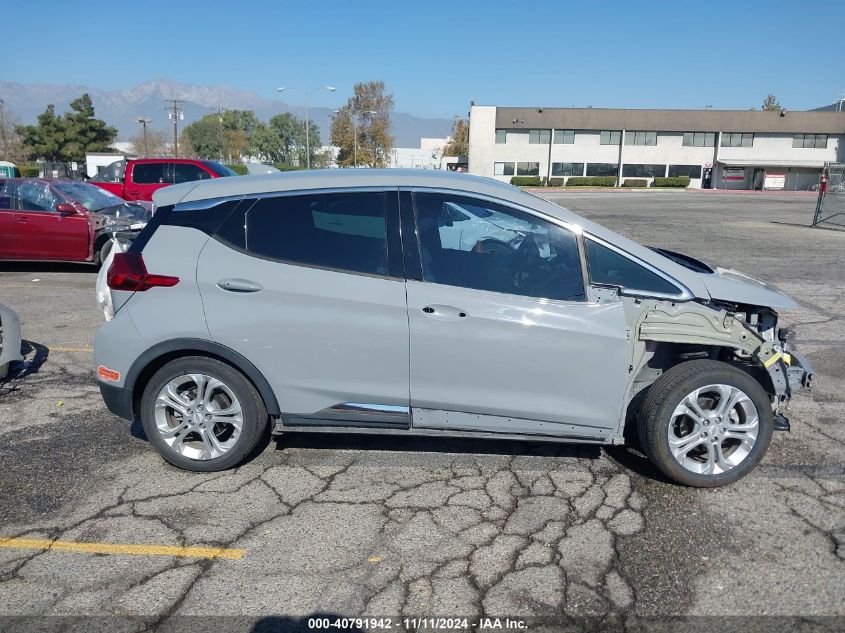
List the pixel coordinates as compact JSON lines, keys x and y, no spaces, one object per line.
{"x":343,"y":231}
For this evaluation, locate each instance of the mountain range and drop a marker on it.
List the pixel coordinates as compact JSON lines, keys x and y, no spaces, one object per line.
{"x":122,"y":108}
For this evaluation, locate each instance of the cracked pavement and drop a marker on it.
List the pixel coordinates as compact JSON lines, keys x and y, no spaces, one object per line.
{"x":381,"y":526}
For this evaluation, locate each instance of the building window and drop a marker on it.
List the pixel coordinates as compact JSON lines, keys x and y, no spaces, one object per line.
{"x":528,"y":169}
{"x":539,"y":137}
{"x":602,"y":169}
{"x":692,"y":171}
{"x":564,"y":137}
{"x":503,"y":169}
{"x":634,"y":170}
{"x":610,"y":137}
{"x":737,"y":139}
{"x":637,"y":137}
{"x":501,"y":137}
{"x":567,"y":169}
{"x":817,"y":141}
{"x":699,"y":139}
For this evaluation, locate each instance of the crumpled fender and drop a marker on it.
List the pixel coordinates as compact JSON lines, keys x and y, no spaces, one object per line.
{"x":697,"y":324}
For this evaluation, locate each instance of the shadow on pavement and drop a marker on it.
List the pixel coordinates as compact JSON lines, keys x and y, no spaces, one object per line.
{"x":424,"y":444}
{"x":46,"y":267}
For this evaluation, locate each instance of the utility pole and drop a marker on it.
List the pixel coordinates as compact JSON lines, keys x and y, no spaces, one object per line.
{"x":143,"y":121}
{"x":176,"y":114}
{"x":220,"y":111}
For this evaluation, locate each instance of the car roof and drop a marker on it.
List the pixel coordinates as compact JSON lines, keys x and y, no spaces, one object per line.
{"x":326,"y":179}
{"x":192,"y":161}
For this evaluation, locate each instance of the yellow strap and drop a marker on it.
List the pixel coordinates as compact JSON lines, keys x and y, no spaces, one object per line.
{"x":772,"y":360}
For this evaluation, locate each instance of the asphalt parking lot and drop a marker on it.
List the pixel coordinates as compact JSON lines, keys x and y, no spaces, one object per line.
{"x":412,"y":527}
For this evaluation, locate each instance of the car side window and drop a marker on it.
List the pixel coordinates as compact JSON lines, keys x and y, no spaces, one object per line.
{"x":472,"y":243}
{"x":8,"y":200}
{"x":186,"y":172}
{"x":36,"y":196}
{"x":607,"y":267}
{"x":343,"y":231}
{"x":149,"y":173}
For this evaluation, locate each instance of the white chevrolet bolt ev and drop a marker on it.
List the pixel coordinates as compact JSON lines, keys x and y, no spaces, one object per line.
{"x":411,"y":302}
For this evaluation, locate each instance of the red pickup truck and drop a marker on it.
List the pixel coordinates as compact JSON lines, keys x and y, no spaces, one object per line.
{"x":138,"y":179}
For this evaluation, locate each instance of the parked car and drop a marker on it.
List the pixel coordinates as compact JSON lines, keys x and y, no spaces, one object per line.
{"x":63,"y":220}
{"x":328,"y":301}
{"x":139,"y":179}
{"x":10,"y":339}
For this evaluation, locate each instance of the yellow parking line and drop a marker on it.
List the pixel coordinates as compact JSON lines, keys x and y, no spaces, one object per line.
{"x":71,"y":349}
{"x":121,"y":548}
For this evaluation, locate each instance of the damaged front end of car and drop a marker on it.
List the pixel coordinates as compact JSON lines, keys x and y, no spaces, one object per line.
{"x":745,"y":336}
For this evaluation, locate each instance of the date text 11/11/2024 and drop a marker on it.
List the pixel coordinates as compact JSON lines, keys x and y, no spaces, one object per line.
{"x":421,"y":623}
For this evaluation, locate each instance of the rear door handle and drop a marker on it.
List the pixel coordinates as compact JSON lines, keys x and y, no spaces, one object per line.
{"x":239,"y":285}
{"x":23,"y":220}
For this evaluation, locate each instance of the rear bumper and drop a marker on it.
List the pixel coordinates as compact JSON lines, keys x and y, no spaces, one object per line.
{"x":10,"y":338}
{"x":118,"y":400}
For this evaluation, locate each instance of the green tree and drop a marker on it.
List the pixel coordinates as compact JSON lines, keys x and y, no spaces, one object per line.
{"x":771,"y":104}
{"x":68,"y":137}
{"x":361,"y":129}
{"x":227,"y":135}
{"x":458,"y":143}
{"x":282,"y":141}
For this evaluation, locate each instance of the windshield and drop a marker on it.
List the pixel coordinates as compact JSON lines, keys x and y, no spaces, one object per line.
{"x":89,"y":196}
{"x":217,"y":168}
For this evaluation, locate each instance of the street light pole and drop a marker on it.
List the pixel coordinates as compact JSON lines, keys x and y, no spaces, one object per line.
{"x":307,"y":121}
{"x":143,"y":121}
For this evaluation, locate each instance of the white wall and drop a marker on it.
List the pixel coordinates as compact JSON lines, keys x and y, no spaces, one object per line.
{"x":482,"y":138}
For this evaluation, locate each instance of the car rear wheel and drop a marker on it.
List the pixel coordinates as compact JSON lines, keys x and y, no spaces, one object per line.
{"x":705,"y":423}
{"x":202,"y":414}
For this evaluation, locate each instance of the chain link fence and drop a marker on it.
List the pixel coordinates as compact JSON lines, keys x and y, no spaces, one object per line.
{"x":830,"y":207}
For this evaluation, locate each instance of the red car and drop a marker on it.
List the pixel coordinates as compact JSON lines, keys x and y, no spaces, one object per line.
{"x":138,"y":179}
{"x":62,"y":220}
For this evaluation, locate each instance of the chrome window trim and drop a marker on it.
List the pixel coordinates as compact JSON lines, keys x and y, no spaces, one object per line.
{"x":575,"y":229}
{"x":685,"y":293}
{"x":205,"y":203}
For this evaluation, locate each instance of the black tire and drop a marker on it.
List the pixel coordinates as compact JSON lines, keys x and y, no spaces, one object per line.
{"x":255,"y":423}
{"x":670,"y":389}
{"x":103,"y":253}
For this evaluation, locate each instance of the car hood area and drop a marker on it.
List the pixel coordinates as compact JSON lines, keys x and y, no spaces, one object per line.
{"x":730,"y":285}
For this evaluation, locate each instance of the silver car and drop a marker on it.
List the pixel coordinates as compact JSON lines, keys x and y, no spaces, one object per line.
{"x":341,"y":301}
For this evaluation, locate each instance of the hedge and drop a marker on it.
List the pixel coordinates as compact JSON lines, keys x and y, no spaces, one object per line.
{"x":238,"y":168}
{"x":635,"y":182}
{"x":28,"y":171}
{"x":555,"y":182}
{"x":591,"y":181}
{"x":527,"y":181}
{"x":674,"y":181}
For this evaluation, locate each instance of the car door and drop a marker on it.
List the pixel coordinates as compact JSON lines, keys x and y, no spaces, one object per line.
{"x":503,"y":338}
{"x":42,"y":232}
{"x":309,"y":288}
{"x":145,"y":178}
{"x":8,"y":245}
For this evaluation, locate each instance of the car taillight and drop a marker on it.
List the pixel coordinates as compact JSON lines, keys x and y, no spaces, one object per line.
{"x":128,"y":272}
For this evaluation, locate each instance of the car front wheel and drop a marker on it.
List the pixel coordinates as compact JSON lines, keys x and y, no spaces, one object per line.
{"x":705,"y":423}
{"x":202,"y":414}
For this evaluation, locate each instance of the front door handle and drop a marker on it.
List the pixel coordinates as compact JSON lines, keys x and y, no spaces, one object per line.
{"x":239,"y":285}
{"x":23,"y":220}
{"x":444,"y":312}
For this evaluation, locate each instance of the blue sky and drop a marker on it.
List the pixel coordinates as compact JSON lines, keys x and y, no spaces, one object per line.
{"x":438,"y":56}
